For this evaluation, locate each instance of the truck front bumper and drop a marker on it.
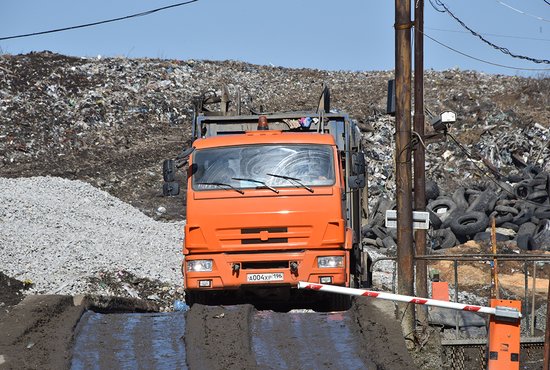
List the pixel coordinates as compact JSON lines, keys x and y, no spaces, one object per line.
{"x":235,"y":271}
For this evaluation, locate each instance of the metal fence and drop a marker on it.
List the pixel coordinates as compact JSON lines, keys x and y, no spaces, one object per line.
{"x":470,"y":353}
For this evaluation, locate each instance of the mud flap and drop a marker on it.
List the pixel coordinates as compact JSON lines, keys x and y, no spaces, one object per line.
{"x":366,"y":276}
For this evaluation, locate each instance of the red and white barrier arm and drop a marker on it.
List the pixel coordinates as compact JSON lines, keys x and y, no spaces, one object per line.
{"x":503,"y":312}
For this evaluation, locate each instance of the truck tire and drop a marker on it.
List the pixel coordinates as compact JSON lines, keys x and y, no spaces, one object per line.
{"x":335,"y":302}
{"x":469,"y":223}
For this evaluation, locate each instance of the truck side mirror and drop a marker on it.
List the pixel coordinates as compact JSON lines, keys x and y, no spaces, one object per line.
{"x":169,"y":170}
{"x":359,"y":165}
{"x":357,"y":182}
{"x":170,"y":189}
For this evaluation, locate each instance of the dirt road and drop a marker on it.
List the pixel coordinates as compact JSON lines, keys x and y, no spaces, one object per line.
{"x":59,"y":332}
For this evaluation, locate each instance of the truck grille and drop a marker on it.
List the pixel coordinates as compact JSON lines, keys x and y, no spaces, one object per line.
{"x":264,"y":265}
{"x":265,"y":239}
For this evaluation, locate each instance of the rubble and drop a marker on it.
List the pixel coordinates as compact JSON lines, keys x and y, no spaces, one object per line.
{"x":111,"y":121}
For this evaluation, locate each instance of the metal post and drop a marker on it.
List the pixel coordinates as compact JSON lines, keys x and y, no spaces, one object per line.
{"x":526,"y":294}
{"x":405,"y":278}
{"x":457,"y":326}
{"x":547,"y":333}
{"x":419,"y":157}
{"x":533,"y":298}
{"x":496,"y":293}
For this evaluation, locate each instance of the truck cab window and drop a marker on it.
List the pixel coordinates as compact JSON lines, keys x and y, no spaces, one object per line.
{"x":311,"y":164}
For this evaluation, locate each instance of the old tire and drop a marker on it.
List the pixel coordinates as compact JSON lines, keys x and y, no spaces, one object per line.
{"x":469,"y":223}
{"x":542,"y":234}
{"x":443,"y":239}
{"x":524,"y":215}
{"x":526,"y":242}
{"x":460,"y":199}
{"x":435,"y":221}
{"x":523,"y":189}
{"x":486,"y":236}
{"x":432,"y":190}
{"x":543,"y":212}
{"x":510,"y":225}
{"x":482,"y":201}
{"x":527,"y":228}
{"x":538,"y":196}
{"x":442,"y":207}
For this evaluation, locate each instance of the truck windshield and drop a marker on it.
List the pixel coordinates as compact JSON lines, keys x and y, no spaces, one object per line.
{"x":263,"y":166}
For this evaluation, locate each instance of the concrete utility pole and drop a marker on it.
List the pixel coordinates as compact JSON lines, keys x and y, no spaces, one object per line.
{"x":403,"y":148}
{"x":419,"y":157}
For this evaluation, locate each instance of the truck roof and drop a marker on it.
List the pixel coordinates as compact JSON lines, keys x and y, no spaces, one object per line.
{"x":264,"y":137}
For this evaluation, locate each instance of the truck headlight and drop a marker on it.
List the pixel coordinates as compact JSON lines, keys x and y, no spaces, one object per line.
{"x":199,"y":265}
{"x":330,"y":261}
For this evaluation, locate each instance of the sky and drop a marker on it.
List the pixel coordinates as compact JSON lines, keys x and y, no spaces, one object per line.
{"x":352,"y":35}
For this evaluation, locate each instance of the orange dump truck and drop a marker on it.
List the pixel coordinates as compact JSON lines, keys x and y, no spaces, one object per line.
{"x":271,"y":200}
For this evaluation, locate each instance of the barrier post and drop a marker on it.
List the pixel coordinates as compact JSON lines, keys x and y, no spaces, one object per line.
{"x":504,"y":338}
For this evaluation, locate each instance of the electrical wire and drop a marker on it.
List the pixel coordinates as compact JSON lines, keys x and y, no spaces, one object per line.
{"x":436,"y":8}
{"x":499,"y":48}
{"x":522,"y":12}
{"x":148,"y":12}
{"x":482,"y":60}
{"x":489,"y":34}
{"x":546,"y":1}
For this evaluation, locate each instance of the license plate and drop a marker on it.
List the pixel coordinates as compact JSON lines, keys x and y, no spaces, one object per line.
{"x":258,"y":278}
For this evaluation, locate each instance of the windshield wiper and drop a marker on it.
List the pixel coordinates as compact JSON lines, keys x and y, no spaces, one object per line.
{"x":297,"y":181}
{"x":257,"y":181}
{"x":222,"y":184}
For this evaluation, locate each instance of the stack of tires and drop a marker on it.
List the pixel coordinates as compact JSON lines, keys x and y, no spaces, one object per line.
{"x":520,"y":206}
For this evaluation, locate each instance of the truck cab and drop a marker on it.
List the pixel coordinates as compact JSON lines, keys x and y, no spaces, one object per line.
{"x":271,"y":202}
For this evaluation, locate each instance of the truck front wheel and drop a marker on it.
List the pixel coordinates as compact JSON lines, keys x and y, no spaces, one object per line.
{"x":336,"y":302}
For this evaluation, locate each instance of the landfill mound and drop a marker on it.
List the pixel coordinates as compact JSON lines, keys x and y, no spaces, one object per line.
{"x":111,"y":121}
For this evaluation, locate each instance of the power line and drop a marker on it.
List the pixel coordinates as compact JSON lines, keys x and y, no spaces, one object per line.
{"x":499,"y":48}
{"x":99,"y":22}
{"x":436,"y":8}
{"x":481,"y":60}
{"x":490,"y":34}
{"x":522,"y":12}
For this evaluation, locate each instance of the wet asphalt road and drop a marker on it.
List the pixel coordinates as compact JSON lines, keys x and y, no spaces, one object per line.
{"x":272,"y":340}
{"x":130,"y":341}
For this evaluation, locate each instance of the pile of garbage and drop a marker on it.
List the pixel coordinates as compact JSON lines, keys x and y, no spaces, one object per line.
{"x":111,"y":121}
{"x":519,"y":205}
